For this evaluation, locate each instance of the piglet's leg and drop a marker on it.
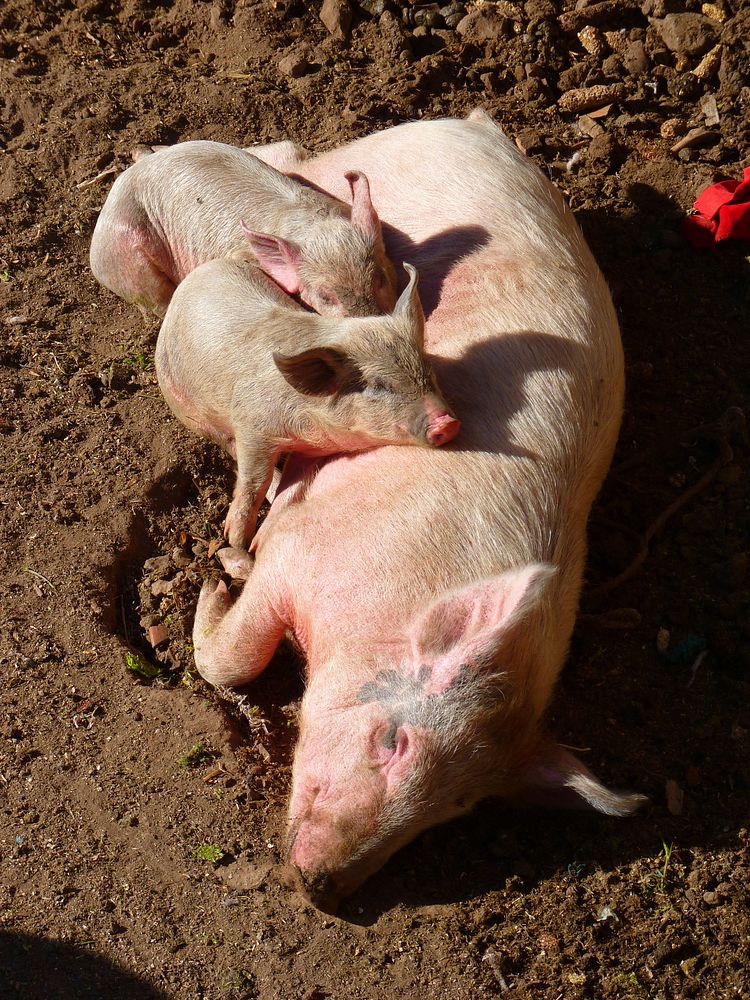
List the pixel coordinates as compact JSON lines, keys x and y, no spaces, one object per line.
{"x":255,"y":465}
{"x":234,"y":640}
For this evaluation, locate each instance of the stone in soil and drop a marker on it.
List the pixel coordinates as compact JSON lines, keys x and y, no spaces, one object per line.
{"x":483,"y":26}
{"x":336,"y":15}
{"x":687,"y":34}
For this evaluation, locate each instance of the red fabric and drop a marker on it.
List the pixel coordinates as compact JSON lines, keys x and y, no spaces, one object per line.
{"x":721,"y":212}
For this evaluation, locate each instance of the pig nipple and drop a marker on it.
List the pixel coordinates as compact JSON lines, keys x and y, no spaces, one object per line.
{"x":442,"y":429}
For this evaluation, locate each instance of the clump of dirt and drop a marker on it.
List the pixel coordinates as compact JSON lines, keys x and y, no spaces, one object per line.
{"x":142,"y":815}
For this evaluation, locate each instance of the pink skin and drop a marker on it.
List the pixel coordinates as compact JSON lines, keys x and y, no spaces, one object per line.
{"x":434,"y":591}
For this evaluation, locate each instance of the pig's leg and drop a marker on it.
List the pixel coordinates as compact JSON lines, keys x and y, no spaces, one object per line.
{"x":255,"y":464}
{"x":130,"y":260}
{"x":281,"y":155}
{"x":234,"y":641}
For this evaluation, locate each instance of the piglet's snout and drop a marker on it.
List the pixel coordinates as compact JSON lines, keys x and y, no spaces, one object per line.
{"x":442,"y":428}
{"x":441,"y":425}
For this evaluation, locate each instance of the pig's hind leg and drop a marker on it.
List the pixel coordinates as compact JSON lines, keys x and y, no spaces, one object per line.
{"x":234,"y":640}
{"x":132,"y":261}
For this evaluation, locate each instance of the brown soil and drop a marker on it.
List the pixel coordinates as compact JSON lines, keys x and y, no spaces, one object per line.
{"x":103,"y":807}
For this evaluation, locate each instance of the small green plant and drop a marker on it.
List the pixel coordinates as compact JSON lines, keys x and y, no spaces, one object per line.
{"x":197,"y":756}
{"x":140,"y":361}
{"x":209,"y":852}
{"x":136,"y":663}
{"x":5,"y":275}
{"x":661,"y":875}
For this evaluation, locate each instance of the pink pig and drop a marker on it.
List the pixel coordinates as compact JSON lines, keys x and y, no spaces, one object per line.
{"x":434,"y":592}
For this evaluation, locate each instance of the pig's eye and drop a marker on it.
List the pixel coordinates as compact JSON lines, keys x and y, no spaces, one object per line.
{"x":377,"y":385}
{"x":327,"y":297}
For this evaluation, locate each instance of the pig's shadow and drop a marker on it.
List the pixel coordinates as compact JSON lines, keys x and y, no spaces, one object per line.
{"x":434,"y":258}
{"x":466,"y":384}
{"x":35,"y":968}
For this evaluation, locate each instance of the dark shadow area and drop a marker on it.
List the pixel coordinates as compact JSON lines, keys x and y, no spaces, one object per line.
{"x":37,"y":969}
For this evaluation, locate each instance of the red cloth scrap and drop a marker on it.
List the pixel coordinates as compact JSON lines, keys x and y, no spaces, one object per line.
{"x":721,"y":212}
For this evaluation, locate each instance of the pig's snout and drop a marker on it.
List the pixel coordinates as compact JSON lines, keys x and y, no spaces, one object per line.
{"x":442,"y":428}
{"x":321,"y":889}
{"x":441,"y":425}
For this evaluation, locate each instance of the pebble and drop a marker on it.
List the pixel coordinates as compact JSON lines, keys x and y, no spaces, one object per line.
{"x":294,"y":65}
{"x":588,"y":98}
{"x":373,"y":7}
{"x":157,"y":565}
{"x":336,"y":15}
{"x":484,"y":25}
{"x":635,"y":59}
{"x":687,"y":34}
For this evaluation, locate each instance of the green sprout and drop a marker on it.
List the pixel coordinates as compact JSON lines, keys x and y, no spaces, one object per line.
{"x":136,"y":663}
{"x":209,"y":852}
{"x":197,"y":756}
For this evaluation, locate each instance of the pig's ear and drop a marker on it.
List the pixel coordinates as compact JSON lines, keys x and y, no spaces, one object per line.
{"x":364,"y":216}
{"x":468,"y":627}
{"x":555,"y":778}
{"x":409,"y":305}
{"x":279,"y":258}
{"x":317,"y":372}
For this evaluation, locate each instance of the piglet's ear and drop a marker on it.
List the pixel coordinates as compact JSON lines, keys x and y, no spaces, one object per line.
{"x":468,"y":627}
{"x":279,"y":258}
{"x":553,"y":777}
{"x":317,"y":372}
{"x":364,"y":216}
{"x":409,"y":305}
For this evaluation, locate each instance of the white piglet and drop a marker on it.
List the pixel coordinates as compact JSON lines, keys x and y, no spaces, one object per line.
{"x":190,"y":203}
{"x":239,"y":362}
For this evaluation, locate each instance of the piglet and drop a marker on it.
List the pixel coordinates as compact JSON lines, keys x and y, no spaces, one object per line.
{"x":241,"y":363}
{"x":190,"y":203}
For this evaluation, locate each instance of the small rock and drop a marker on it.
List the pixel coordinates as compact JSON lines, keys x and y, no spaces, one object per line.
{"x":157,"y":565}
{"x":612,"y":67}
{"x":484,"y":26}
{"x":711,"y":898}
{"x":336,"y":15}
{"x":421,"y":31}
{"x":157,"y":634}
{"x":601,"y":152}
{"x":687,"y":34}
{"x":587,"y":126}
{"x":713,"y":11}
{"x":160,"y":588}
{"x":683,"y":86}
{"x":573,"y":76}
{"x":294,"y":65}
{"x":528,"y":140}
{"x":180,"y":557}
{"x":593,"y":41}
{"x":635,"y":58}
{"x":373,"y":7}
{"x":671,"y":128}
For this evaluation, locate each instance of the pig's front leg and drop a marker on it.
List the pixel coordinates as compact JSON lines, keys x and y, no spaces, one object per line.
{"x":234,"y":640}
{"x":255,"y":464}
{"x":283,"y":156}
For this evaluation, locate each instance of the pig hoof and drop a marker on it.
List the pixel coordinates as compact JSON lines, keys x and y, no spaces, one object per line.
{"x":236,"y":562}
{"x":213,"y":603}
{"x":239,"y":528}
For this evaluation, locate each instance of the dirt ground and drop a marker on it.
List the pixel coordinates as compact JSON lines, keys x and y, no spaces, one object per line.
{"x":141,"y":818}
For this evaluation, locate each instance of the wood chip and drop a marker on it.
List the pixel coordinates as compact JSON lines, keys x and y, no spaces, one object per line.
{"x":601,"y":112}
{"x":593,"y":41}
{"x":95,"y":180}
{"x":713,"y":11}
{"x":695,"y":137}
{"x":709,"y":64}
{"x":590,"y":98}
{"x":214,"y":546}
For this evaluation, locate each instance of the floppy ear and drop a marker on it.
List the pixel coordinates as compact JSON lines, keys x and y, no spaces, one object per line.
{"x":555,"y":778}
{"x":317,"y":372}
{"x":364,"y":216}
{"x":468,"y":627}
{"x":279,"y":258}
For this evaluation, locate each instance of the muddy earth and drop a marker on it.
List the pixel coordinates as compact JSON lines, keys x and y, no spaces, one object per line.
{"x":141,"y":814}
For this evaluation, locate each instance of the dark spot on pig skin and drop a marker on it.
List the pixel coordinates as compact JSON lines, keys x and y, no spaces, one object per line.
{"x":405,"y":700}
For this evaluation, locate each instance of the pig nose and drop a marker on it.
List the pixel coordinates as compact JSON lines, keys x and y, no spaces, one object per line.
{"x":321,"y":889}
{"x":442,"y":429}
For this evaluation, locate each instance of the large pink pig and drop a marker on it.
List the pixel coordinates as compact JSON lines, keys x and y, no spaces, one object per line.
{"x":434,"y":592}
